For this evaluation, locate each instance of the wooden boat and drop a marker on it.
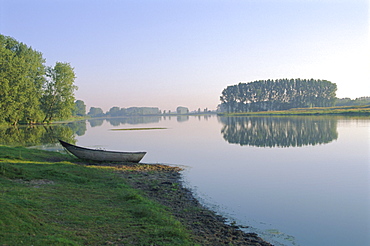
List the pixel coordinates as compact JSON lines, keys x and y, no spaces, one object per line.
{"x":102,"y":155}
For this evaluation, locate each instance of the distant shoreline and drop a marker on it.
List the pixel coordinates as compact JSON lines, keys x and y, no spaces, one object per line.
{"x":343,"y":110}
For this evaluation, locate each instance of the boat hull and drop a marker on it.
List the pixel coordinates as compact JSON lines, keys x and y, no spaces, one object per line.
{"x":102,"y":155}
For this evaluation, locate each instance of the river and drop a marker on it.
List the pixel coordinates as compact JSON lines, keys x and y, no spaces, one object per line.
{"x":293,"y":180}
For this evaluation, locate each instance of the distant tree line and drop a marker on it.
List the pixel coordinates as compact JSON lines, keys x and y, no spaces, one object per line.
{"x":123,"y":112}
{"x":355,"y":102}
{"x":140,"y":111}
{"x":30,"y":91}
{"x":281,"y":94}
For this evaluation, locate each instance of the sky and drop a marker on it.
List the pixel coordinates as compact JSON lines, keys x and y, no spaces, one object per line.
{"x":170,"y":53}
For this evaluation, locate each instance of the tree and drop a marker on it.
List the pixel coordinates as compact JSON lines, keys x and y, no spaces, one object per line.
{"x":95,"y":112}
{"x":280,"y":94}
{"x":114,"y":111}
{"x":21,"y":80}
{"x":30,"y":93}
{"x":58,"y":98}
{"x":80,"y":108}
{"x":182,"y":110}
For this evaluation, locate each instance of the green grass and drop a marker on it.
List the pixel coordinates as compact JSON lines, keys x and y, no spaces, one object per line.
{"x":341,"y":110}
{"x":46,"y":199}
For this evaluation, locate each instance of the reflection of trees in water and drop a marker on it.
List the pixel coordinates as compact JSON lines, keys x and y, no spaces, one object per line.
{"x":41,"y":134}
{"x":147,"y":119}
{"x":204,"y":117}
{"x":182,"y":118}
{"x":133,"y":120}
{"x":78,"y":127}
{"x":96,"y":122}
{"x":278,"y":131}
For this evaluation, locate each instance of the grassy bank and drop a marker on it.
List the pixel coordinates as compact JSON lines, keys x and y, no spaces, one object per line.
{"x":47,"y":199}
{"x":343,"y":110}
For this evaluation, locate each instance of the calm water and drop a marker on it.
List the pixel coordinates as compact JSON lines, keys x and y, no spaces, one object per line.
{"x":293,"y":180}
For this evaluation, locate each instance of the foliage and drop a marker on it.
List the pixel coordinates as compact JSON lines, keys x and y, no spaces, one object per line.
{"x":267,"y":95}
{"x":123,"y":112}
{"x":349,"y":102}
{"x":142,"y":111}
{"x":80,"y":108}
{"x":132,"y":111}
{"x":31,"y":93}
{"x":183,"y":110}
{"x":61,"y":203}
{"x":58,"y":97}
{"x":115,"y":111}
{"x":95,"y":112}
{"x":21,"y":80}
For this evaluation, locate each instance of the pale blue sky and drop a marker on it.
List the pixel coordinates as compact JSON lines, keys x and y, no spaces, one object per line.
{"x":167,"y":53}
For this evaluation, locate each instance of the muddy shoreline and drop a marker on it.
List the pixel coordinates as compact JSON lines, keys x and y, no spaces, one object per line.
{"x":163,"y":184}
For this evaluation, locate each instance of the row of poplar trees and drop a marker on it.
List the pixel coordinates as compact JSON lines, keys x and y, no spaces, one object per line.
{"x":280,"y":94}
{"x":30,"y":91}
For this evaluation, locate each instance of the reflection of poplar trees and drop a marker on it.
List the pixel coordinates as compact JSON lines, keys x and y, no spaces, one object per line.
{"x":278,"y":132}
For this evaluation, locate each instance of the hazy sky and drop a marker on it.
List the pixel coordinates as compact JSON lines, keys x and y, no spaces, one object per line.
{"x":167,"y":53}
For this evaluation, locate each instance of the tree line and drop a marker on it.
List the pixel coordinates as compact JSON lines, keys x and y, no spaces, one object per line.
{"x":139,"y":111}
{"x":118,"y":112}
{"x":30,"y":91}
{"x":280,"y":94}
{"x":360,"y":101}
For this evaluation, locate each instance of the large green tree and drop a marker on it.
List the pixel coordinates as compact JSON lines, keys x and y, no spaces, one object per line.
{"x":21,"y":80}
{"x":29,"y":92}
{"x":58,"y":97}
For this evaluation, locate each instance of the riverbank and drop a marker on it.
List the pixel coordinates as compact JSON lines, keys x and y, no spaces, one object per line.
{"x":163,"y":184}
{"x":51,"y":199}
{"x":341,"y":110}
